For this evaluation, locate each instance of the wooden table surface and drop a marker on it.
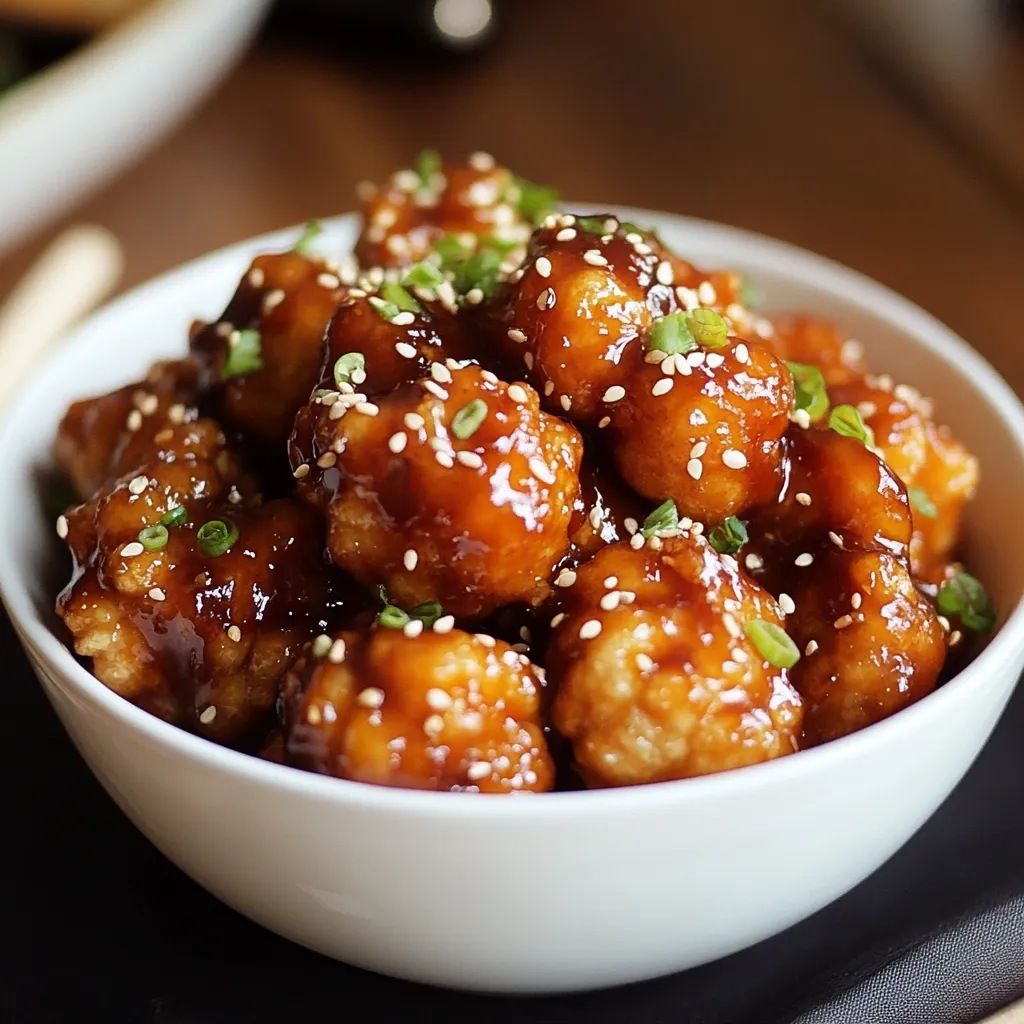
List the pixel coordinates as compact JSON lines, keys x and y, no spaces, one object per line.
{"x":775,"y":117}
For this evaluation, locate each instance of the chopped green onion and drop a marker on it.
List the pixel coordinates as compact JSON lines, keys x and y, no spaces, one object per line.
{"x":426,"y":165}
{"x":217,"y":537}
{"x":348,"y":367}
{"x":387,"y":310}
{"x":629,"y":228}
{"x":728,"y":537}
{"x":965,"y":597}
{"x":452,"y":251}
{"x":846,"y":420}
{"x":922,"y":503}
{"x":479,"y":271}
{"x":499,"y":245}
{"x":468,"y":419}
{"x":382,"y":594}
{"x":709,"y":328}
{"x":428,"y":613}
{"x":773,"y":643}
{"x":393,"y":618}
{"x":398,"y":296}
{"x":310,"y":233}
{"x":153,"y":538}
{"x":592,"y":225}
{"x":177,"y":516}
{"x":244,"y":354}
{"x":664,"y":518}
{"x":671,"y":334}
{"x":423,"y":275}
{"x":749,"y":295}
{"x":809,"y":388}
{"x":535,"y":201}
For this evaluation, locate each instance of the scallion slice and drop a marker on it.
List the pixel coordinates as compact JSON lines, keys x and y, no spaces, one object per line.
{"x":728,"y":537}
{"x":809,"y":388}
{"x":153,"y":538}
{"x":664,"y":518}
{"x":244,"y":354}
{"x":964,"y":596}
{"x":310,"y":233}
{"x":846,"y":420}
{"x":773,"y":643}
{"x":709,"y":328}
{"x":467,"y":420}
{"x":671,"y":334}
{"x":217,"y":537}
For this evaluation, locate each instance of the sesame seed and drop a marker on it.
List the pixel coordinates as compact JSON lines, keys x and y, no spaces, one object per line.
{"x":566,"y":235}
{"x":338,"y":409}
{"x":410,"y":558}
{"x":301,"y":471}
{"x":398,"y":441}
{"x":557,"y":620}
{"x":444,"y":459}
{"x":540,"y":470}
{"x":413,"y":628}
{"x":256,"y":277}
{"x":327,"y":460}
{"x":157,"y":594}
{"x":62,"y":527}
{"x":405,"y":350}
{"x":488,"y":376}
{"x":438,"y":699}
{"x":843,"y":621}
{"x":695,"y":468}
{"x":835,"y":538}
{"x":208,"y":715}
{"x":698,"y":449}
{"x":714,"y":360}
{"x":753,"y":562}
{"x":742,"y":353}
{"x":734,"y":459}
{"x":566,"y":578}
{"x":517,"y":393}
{"x":371,"y":697}
{"x":544,"y":299}
{"x":855,"y":601}
{"x":234,"y":633}
{"x":738,"y":654}
{"x":367,"y":408}
{"x":644,"y":662}
{"x":273,"y":299}
{"x":481,"y":162}
{"x":732,"y":627}
{"x":469,"y":459}
{"x":803,"y":560}
{"x":445,"y":624}
{"x":328,"y":281}
{"x":435,"y":389}
{"x":696,"y":358}
{"x":543,"y":266}
{"x":665,"y":274}
{"x":603,"y":422}
{"x":615,"y":393}
{"x":528,"y":359}
{"x":786,"y":604}
{"x":706,"y":293}
{"x":433,"y":725}
{"x":485,"y":639}
{"x":802,"y":418}
{"x":131,"y":550}
{"x":519,"y":337}
{"x":636,"y":542}
{"x":609,"y":602}
{"x":321,"y":645}
{"x":954,"y":637}
{"x":802,"y":498}
{"x":595,"y":258}
{"x":943,"y":622}
{"x":138,"y":484}
{"x":414,"y":421}
{"x":176,"y":413}
{"x":440,"y":373}
{"x":477,"y":770}
{"x":812,"y":646}
{"x":662,"y":387}
{"x":590,"y":629}
{"x":631,"y":525}
{"x":611,"y":581}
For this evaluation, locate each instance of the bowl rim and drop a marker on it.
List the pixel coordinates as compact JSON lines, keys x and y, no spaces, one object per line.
{"x":826,"y":275}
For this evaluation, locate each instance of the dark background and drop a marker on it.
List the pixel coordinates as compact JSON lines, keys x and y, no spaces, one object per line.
{"x":888,"y":136}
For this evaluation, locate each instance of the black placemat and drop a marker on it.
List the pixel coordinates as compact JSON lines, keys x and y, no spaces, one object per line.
{"x":100,"y":927}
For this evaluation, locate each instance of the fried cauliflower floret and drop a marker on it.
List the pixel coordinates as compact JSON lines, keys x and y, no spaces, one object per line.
{"x":939,"y":473}
{"x":455,"y":488}
{"x":405,"y":218}
{"x":814,"y":341}
{"x":834,"y":551}
{"x":656,"y":676}
{"x":704,"y":429}
{"x":260,"y":360}
{"x":434,"y":711}
{"x":101,"y":438}
{"x":196,"y":635}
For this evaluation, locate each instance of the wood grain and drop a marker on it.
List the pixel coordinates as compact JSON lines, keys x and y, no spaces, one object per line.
{"x":764,"y":115}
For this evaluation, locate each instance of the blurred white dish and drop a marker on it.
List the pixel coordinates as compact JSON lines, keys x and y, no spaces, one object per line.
{"x":560,"y":891}
{"x":69,"y":128}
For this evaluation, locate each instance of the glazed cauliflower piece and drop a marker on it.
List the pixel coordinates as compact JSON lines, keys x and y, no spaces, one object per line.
{"x":434,"y":710}
{"x":656,"y":675}
{"x":178,"y":614}
{"x":814,"y":341}
{"x":456,"y":488}
{"x":835,"y":552}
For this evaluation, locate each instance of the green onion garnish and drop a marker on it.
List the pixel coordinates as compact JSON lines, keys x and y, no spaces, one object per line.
{"x":728,"y":537}
{"x":426,"y":165}
{"x":428,"y":613}
{"x":965,"y":597}
{"x":671,"y":334}
{"x":217,"y":537}
{"x":479,"y":271}
{"x":153,"y":538}
{"x":535,"y":201}
{"x":773,"y":643}
{"x":664,"y":518}
{"x":846,"y":420}
{"x":348,"y":367}
{"x":629,"y":228}
{"x":177,"y":516}
{"x":392,"y":617}
{"x":452,"y":251}
{"x":709,"y":328}
{"x":244,"y":354}
{"x":466,"y":421}
{"x":423,"y":275}
{"x":922,"y":503}
{"x":387,"y":310}
{"x":809,"y":388}
{"x":749,"y":295}
{"x":398,"y":296}
{"x":310,"y":233}
{"x":592,"y":225}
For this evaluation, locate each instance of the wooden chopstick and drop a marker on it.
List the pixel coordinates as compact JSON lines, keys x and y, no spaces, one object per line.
{"x":75,"y":273}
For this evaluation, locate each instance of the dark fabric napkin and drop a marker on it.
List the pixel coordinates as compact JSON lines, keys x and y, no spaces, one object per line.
{"x":100,"y":927}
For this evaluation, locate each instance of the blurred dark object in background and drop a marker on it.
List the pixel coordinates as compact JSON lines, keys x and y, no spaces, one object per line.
{"x":369,"y":28}
{"x":25,"y":51}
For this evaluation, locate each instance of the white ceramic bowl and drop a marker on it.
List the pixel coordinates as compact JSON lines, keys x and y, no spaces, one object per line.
{"x":567,"y":890}
{"x":66,"y":130}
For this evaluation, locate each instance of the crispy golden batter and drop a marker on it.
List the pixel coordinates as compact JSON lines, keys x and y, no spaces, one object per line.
{"x":473,"y":522}
{"x":656,"y":677}
{"x":435,"y":711}
{"x":817,"y":342}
